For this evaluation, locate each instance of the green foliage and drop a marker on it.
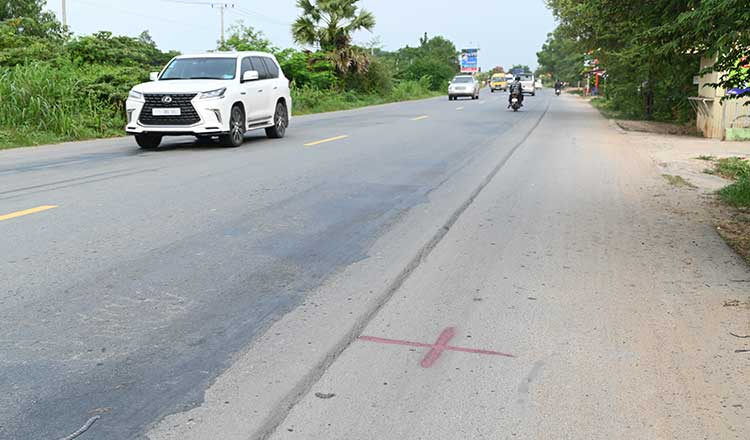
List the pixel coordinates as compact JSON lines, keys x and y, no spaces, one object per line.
{"x":561,"y":58}
{"x":737,"y":194}
{"x":39,"y":101}
{"x":311,"y":100}
{"x":435,"y":58}
{"x":246,"y":38}
{"x":642,"y":79}
{"x":733,"y":167}
{"x":105,"y":49}
{"x":56,"y":87}
{"x":329,"y":25}
{"x":306,"y":69}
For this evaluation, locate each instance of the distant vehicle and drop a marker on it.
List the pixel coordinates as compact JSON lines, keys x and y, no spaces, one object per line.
{"x":464,"y":85}
{"x":538,"y":84}
{"x":498,"y":82}
{"x":211,"y":95}
{"x":529,"y":83}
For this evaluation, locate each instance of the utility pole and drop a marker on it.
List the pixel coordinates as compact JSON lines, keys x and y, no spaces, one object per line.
{"x":222,"y":7}
{"x":64,"y":14}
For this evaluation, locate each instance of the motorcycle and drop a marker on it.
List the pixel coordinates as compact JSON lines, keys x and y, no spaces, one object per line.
{"x":557,"y":92}
{"x":515,"y":102}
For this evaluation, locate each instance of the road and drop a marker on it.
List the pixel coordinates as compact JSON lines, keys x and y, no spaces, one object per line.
{"x":278,"y":290}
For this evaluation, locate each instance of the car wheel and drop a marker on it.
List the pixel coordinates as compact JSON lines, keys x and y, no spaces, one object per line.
{"x":492,"y":90}
{"x":280,"y":122}
{"x":148,"y":141}
{"x":533,"y":93}
{"x":236,"y":135}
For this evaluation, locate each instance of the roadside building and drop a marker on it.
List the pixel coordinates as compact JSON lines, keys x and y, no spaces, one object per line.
{"x":727,"y":120}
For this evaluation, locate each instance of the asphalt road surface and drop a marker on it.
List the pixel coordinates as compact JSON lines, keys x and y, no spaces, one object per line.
{"x":323,"y":286}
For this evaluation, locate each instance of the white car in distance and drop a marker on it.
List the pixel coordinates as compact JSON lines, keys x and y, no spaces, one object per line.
{"x":211,"y":95}
{"x":463,"y":85}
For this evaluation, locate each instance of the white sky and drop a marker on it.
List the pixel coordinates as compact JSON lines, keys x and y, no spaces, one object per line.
{"x":195,"y":28}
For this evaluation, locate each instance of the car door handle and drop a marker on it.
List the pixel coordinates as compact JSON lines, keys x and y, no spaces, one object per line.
{"x":276,"y":88}
{"x":243,"y":93}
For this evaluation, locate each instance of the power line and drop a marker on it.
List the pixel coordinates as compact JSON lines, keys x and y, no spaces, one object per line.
{"x":216,"y":5}
{"x":136,"y":14}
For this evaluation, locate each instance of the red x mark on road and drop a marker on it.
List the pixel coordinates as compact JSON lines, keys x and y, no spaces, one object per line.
{"x":437,"y":348}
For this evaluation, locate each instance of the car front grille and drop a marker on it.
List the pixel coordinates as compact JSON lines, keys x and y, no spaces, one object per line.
{"x":188,"y":115}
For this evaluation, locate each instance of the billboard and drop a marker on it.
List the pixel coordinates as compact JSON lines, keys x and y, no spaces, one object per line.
{"x":469,"y":62}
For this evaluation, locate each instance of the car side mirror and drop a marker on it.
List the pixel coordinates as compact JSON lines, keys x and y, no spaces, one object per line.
{"x":250,"y":75}
{"x":153,"y":76}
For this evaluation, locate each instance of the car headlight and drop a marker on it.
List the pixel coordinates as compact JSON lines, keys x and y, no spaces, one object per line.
{"x":135,"y":95}
{"x":218,"y":93}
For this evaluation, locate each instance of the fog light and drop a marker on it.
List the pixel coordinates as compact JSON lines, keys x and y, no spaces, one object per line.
{"x":217,"y":113}
{"x":130,"y":115}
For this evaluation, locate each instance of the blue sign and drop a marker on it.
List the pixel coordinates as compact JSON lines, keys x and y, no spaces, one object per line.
{"x":469,"y":61}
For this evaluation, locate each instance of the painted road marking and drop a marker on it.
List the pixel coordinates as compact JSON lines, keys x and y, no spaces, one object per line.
{"x":436,"y":349}
{"x":481,"y":102}
{"x":26,"y":212}
{"x":459,"y":108}
{"x":419,"y":118}
{"x":323,"y":141}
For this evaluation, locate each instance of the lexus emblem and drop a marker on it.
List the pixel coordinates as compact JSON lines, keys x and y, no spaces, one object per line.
{"x":167,"y":99}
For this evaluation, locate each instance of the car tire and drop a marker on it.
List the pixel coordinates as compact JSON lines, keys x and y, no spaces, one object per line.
{"x":236,"y":135}
{"x":492,"y":90}
{"x":148,"y":141}
{"x":280,"y":122}
{"x":533,"y":93}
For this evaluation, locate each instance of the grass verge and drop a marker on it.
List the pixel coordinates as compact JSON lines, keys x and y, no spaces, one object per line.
{"x":737,"y":194}
{"x":606,"y":109}
{"x":41,"y":105}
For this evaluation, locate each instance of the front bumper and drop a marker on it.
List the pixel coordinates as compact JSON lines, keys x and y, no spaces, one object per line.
{"x":465,"y":92}
{"x":213,"y":119}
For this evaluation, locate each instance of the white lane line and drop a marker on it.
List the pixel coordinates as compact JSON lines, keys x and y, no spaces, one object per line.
{"x":420,"y":118}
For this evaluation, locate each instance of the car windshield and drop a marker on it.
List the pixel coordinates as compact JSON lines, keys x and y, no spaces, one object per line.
{"x":498,"y":78}
{"x":526,"y":77}
{"x":200,"y":68}
{"x":463,"y":80}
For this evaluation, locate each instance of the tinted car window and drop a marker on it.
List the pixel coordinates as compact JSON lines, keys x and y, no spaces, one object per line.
{"x":260,"y":67}
{"x":273,"y":69}
{"x":200,"y":68}
{"x":246,"y":65}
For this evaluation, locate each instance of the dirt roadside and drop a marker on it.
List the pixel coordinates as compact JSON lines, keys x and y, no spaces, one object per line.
{"x":690,"y":189}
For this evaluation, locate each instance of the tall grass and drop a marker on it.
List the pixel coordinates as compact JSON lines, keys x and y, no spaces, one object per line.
{"x":43,"y":102}
{"x":309,"y":100}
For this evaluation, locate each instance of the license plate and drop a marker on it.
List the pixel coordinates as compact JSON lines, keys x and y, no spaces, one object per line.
{"x":166,"y":112}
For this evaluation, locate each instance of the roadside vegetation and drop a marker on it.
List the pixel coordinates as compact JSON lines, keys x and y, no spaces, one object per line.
{"x":737,"y":169}
{"x":646,"y":51}
{"x":56,"y":86}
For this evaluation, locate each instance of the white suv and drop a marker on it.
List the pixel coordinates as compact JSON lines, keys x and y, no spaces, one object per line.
{"x":211,"y":95}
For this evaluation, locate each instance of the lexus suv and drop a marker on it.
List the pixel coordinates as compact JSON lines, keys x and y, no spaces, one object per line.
{"x":211,"y":95}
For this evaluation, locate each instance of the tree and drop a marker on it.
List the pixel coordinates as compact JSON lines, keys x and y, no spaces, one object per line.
{"x":436,"y":58}
{"x":329,"y":24}
{"x":560,"y":58}
{"x":242,"y":38}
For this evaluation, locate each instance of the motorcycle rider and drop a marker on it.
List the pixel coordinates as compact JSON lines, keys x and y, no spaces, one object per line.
{"x":558,"y":85}
{"x":516,"y":88}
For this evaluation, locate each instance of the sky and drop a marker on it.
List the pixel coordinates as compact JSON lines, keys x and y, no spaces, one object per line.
{"x":195,"y":28}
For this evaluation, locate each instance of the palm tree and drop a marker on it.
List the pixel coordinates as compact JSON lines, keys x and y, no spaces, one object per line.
{"x":329,"y":24}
